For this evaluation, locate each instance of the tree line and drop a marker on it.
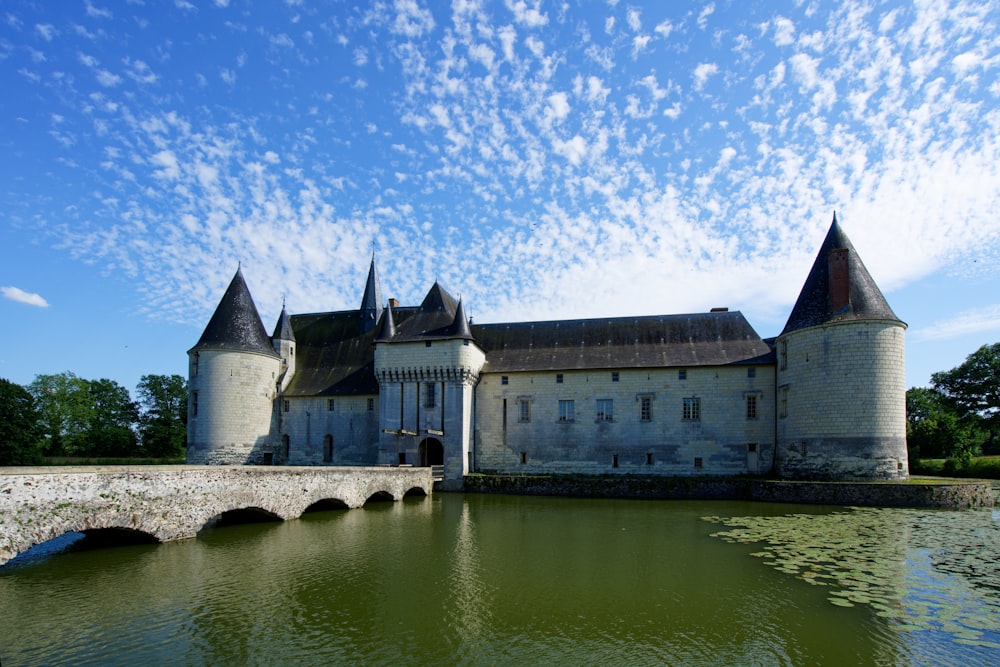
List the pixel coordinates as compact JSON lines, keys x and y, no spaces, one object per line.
{"x":63,"y":415}
{"x":958,"y":416}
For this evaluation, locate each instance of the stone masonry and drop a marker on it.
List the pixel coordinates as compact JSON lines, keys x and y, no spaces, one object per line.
{"x":174,"y":502}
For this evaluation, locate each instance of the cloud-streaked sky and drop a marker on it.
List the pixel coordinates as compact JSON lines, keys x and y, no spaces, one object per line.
{"x":542,"y":160}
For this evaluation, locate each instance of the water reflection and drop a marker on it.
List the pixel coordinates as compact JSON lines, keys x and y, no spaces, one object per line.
{"x":486,"y":580}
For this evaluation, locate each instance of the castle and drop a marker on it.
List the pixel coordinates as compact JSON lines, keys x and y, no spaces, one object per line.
{"x":695,"y":394}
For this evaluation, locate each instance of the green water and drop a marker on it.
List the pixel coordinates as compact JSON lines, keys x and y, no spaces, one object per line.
{"x":496,"y":580}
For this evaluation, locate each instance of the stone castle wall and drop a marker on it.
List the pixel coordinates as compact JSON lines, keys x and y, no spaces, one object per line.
{"x":717,"y":443}
{"x":351,"y":426}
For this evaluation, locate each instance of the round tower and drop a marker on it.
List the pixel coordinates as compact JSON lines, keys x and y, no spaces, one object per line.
{"x":232,"y":374}
{"x":841,"y":383}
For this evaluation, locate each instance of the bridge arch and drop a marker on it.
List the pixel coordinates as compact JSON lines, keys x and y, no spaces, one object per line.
{"x":175,"y":502}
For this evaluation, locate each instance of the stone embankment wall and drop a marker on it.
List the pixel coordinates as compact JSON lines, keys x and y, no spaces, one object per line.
{"x":943,"y":493}
{"x":174,"y":502}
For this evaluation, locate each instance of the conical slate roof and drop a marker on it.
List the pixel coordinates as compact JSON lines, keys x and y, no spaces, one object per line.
{"x":283,"y":329}
{"x":828,"y":298}
{"x":371,"y":302}
{"x":386,"y":327}
{"x":460,"y":326}
{"x":236,"y":324}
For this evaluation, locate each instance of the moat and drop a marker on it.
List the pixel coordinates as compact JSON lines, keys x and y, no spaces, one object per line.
{"x":470,"y":579}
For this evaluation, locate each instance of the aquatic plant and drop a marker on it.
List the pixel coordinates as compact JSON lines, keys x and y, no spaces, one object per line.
{"x":925,"y":570}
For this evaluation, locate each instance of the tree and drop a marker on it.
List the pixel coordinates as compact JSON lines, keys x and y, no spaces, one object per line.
{"x":20,"y":428}
{"x":65,"y":407}
{"x":974,"y":388}
{"x":163,"y":421}
{"x":110,"y":431}
{"x":85,"y":417}
{"x":936,"y":429}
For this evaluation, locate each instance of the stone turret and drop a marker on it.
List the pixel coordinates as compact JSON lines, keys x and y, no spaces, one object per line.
{"x":841,"y":386}
{"x":232,"y":373}
{"x":427,"y":365}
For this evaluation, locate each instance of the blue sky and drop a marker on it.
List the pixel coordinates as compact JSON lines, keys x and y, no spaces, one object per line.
{"x":542,"y":160}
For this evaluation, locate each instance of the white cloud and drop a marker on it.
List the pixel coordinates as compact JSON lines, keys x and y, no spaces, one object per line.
{"x":974,"y":321}
{"x":528,"y":16}
{"x":784,"y":31}
{"x":19,"y":295}
{"x":702,"y":73}
{"x":46,"y":31}
{"x":411,"y":20}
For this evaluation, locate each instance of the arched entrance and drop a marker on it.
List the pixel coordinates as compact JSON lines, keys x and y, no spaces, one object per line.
{"x":431,"y":452}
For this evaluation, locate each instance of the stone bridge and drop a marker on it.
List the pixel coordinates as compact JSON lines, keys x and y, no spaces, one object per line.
{"x":174,"y":502}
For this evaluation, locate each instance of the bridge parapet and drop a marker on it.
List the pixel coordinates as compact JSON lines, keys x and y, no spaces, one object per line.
{"x":174,"y":502}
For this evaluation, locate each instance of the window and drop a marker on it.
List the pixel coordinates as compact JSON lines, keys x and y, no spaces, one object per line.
{"x":427,"y":343}
{"x":783,"y":354}
{"x":567,"y":411}
{"x":559,"y":378}
{"x":614,"y":460}
{"x":783,"y":401}
{"x":194,"y":365}
{"x":503,"y":379}
{"x":194,"y":404}
{"x":751,"y":372}
{"x":523,"y":410}
{"x":698,"y":462}
{"x":430,"y":398}
{"x":645,"y":408}
{"x":614,"y":376}
{"x":327,"y":448}
{"x":524,"y":457}
{"x":649,"y":458}
{"x":465,"y":342}
{"x":682,"y":375}
{"x":371,"y":405}
{"x":692,"y":409}
{"x":605,"y":410}
{"x":751,"y":447}
{"x":751,"y":406}
{"x":329,"y":405}
{"x":285,"y":406}
{"x":286,"y":445}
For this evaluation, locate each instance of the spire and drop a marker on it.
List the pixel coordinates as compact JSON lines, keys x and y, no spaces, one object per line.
{"x":283,"y":329}
{"x":387,"y":326}
{"x":236,"y":324}
{"x":460,"y":327}
{"x":838,"y":287}
{"x":371,"y":302}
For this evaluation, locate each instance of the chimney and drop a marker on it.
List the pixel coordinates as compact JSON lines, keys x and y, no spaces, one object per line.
{"x":840,"y":279}
{"x":720,"y":310}
{"x":393,"y":303}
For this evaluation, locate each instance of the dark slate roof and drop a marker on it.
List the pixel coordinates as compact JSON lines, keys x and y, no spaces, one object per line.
{"x":386,"y":325}
{"x":435,"y":319}
{"x":704,"y":339}
{"x":283,"y":329}
{"x":333,"y":356}
{"x":371,"y":302}
{"x":813,"y":305}
{"x":236,"y":324}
